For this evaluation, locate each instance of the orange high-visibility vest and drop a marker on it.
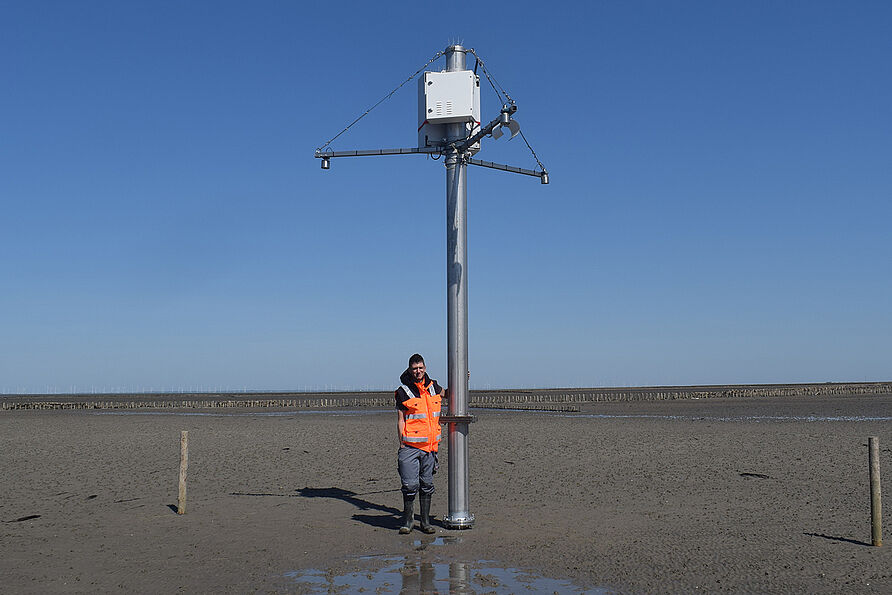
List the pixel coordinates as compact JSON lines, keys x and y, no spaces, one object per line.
{"x":422,"y":415}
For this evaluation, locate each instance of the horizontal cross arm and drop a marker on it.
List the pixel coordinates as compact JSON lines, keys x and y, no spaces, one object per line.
{"x":374,"y":152}
{"x":543,"y":175}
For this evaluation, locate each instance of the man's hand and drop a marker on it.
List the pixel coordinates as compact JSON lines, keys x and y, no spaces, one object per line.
{"x":400,"y":426}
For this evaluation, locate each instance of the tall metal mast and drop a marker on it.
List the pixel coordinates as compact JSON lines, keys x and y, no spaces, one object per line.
{"x":457,"y":147}
{"x":457,"y":311}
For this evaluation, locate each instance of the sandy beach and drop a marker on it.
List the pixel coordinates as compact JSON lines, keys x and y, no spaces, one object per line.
{"x":719,"y":495}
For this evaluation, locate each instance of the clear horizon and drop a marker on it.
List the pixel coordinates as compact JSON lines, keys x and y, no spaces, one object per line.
{"x":347,"y":390}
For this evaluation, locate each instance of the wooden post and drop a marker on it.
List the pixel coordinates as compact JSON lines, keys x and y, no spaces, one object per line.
{"x":184,"y":465}
{"x":876,"y":506}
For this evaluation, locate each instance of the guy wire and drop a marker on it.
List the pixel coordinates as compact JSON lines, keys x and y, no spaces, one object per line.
{"x":382,"y":100}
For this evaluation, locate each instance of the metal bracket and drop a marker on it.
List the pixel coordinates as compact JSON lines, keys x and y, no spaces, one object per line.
{"x":458,"y":419}
{"x":463,"y":145}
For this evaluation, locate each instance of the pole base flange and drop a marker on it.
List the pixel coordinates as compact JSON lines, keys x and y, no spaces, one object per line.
{"x":459,"y":521}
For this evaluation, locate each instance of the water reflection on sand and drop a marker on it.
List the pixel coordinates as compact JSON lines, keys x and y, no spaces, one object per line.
{"x":425,"y":570}
{"x":416,"y":573}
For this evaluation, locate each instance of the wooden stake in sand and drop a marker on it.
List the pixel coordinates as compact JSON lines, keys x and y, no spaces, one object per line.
{"x":876,"y":506}
{"x":184,"y":465}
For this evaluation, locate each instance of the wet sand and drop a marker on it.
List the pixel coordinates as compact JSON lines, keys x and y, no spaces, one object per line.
{"x":719,"y":495}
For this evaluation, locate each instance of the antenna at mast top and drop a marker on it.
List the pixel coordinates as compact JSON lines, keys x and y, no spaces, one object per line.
{"x":455,"y":57}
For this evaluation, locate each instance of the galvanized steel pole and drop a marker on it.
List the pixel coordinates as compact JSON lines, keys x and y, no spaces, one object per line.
{"x":458,"y":517}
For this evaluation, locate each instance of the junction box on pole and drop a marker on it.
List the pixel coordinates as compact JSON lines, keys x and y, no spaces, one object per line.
{"x":445,"y":98}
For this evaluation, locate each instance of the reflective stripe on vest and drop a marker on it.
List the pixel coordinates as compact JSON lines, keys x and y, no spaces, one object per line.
{"x":414,"y":439}
{"x":411,"y":395}
{"x":419,"y":415}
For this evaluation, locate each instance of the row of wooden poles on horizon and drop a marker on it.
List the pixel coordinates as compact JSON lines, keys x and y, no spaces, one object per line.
{"x":873,"y":447}
{"x":483,"y":399}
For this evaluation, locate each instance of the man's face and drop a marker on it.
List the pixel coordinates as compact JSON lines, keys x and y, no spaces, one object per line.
{"x":417,"y":371}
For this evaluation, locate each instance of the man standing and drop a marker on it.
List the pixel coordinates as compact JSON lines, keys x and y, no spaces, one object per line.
{"x":418,"y":404}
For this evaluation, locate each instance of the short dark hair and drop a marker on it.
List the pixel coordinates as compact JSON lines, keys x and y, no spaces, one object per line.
{"x":416,"y":359}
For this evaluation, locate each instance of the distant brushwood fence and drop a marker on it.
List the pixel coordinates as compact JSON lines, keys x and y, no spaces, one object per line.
{"x":207,"y":402}
{"x":527,"y":399}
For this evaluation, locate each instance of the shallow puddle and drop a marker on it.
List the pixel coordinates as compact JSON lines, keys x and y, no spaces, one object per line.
{"x":414,"y":574}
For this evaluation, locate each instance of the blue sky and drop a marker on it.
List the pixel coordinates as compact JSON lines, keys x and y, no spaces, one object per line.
{"x":719,"y":207}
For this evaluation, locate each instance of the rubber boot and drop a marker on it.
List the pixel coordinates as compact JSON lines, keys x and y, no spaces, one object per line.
{"x":408,"y":514}
{"x":426,"y":526}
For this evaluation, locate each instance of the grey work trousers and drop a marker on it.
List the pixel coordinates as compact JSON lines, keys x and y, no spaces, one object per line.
{"x":417,"y":469}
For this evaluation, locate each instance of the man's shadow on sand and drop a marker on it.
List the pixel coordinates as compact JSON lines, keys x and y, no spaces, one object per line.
{"x":389,"y":520}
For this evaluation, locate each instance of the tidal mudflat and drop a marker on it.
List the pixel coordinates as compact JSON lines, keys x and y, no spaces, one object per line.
{"x":719,"y":495}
